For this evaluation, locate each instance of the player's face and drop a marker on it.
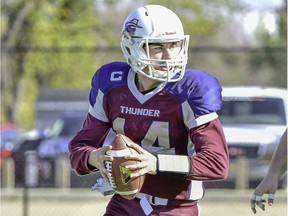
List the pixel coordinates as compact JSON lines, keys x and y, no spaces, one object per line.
{"x":164,"y":51}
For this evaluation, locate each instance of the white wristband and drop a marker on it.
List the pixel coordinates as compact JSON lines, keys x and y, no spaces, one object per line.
{"x":178,"y":164}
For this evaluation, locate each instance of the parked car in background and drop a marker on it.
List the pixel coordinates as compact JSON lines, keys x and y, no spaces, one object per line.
{"x":48,"y":146}
{"x":61,"y":132}
{"x":26,"y":140}
{"x":254,"y":119}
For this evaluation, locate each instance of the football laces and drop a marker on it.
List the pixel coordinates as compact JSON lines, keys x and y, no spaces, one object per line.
{"x":110,"y":178}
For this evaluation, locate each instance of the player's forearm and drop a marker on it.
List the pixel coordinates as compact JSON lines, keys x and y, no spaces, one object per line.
{"x":78,"y":160}
{"x":211,"y":161}
{"x":79,"y":155}
{"x":278,"y":163}
{"x":204,"y":166}
{"x":84,"y":142}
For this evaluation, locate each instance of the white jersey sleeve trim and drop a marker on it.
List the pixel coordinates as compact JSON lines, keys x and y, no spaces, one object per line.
{"x":206,"y":118}
{"x":191,"y":121}
{"x":196,"y":190}
{"x":97,"y":110}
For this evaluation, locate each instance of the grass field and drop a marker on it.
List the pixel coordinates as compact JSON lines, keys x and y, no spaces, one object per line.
{"x":82,"y":202}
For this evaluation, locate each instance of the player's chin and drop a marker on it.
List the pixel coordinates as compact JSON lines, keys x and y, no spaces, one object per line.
{"x":164,"y":69}
{"x":161,"y":68}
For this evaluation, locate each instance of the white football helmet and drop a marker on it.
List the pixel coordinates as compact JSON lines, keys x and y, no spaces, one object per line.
{"x":154,"y":24}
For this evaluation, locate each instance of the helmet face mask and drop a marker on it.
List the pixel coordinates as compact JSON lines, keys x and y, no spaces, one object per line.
{"x":154,"y":24}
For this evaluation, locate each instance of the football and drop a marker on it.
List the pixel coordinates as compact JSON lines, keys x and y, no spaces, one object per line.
{"x":120,"y":179}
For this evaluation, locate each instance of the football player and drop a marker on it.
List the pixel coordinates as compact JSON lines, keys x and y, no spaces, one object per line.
{"x":169,"y":112}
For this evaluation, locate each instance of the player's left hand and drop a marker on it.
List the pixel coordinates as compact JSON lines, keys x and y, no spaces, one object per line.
{"x":268,"y":186}
{"x":148,"y":162}
{"x":257,"y":200}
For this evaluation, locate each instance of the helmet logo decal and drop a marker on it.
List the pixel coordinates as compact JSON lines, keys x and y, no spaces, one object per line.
{"x":132,"y":26}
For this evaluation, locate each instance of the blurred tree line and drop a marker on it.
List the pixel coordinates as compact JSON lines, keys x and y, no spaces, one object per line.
{"x":60,"y":43}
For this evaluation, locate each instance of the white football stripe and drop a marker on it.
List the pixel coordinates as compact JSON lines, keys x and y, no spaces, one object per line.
{"x":119,"y":153}
{"x":127,"y":192}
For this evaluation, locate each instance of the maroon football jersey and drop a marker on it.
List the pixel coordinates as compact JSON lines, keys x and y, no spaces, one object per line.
{"x":177,"y":118}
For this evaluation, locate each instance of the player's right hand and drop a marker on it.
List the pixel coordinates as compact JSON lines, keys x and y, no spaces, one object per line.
{"x":148,"y":162}
{"x":97,"y":158}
